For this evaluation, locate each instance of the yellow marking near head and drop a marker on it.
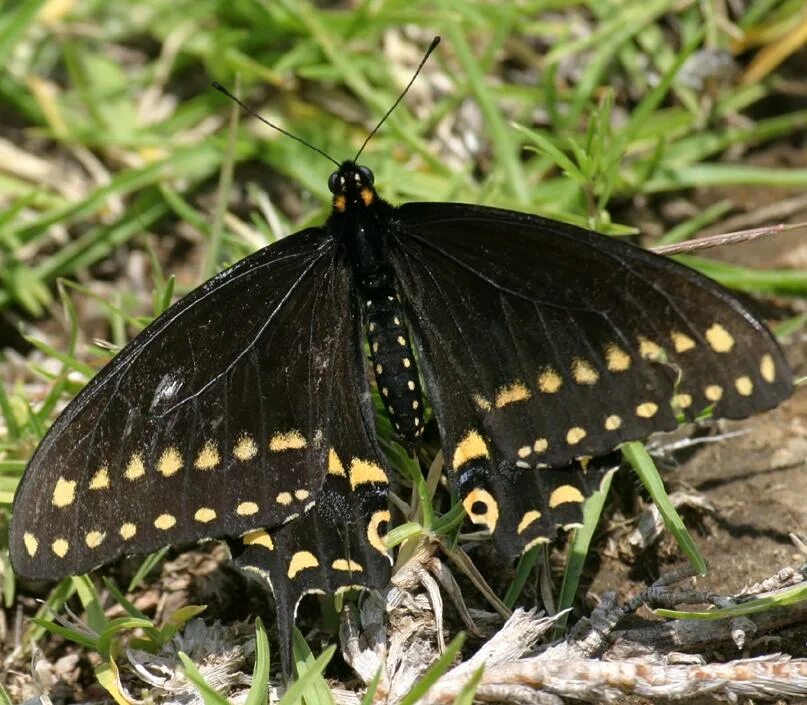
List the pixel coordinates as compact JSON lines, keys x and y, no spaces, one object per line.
{"x":613,"y":422}
{"x":94,"y":539}
{"x":100,"y":481}
{"x":647,"y":410}
{"x":205,"y":514}
{"x":347,"y":565}
{"x":335,"y":466}
{"x":245,"y":448}
{"x":540,"y":445}
{"x":524,"y":451}
{"x":31,"y":543}
{"x":127,"y":530}
{"x":64,"y":493}
{"x":616,"y":358}
{"x":490,"y":516}
{"x":549,"y":381}
{"x":575,"y":435}
{"x":714,"y":392}
{"x":246,"y":509}
{"x":684,"y":401}
{"x":470,"y":447}
{"x":170,"y":462}
{"x":517,"y":391}
{"x":208,"y":457}
{"x":165,"y":522}
{"x":681,"y":341}
{"x":407,"y":362}
{"x":649,"y":350}
{"x":301,"y":495}
{"x":536,"y":542}
{"x":719,"y":338}
{"x":767,"y":368}
{"x":289,"y":440}
{"x":301,"y":561}
{"x":744,"y":386}
{"x":284,"y":498}
{"x":481,"y":403}
{"x":565,"y":494}
{"x":362,"y":471}
{"x":60,"y":547}
{"x":529,"y":517}
{"x":583,"y":372}
{"x":135,"y":468}
{"x":373,"y":536}
{"x":258,"y":538}
{"x":339,"y":202}
{"x":366,"y":196}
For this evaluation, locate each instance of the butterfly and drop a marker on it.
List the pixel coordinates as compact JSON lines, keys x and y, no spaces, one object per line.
{"x":245,"y":411}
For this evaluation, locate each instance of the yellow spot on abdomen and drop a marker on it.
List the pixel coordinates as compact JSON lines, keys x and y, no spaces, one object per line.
{"x":575,"y":435}
{"x":549,"y":381}
{"x":170,"y":462}
{"x":470,"y":447}
{"x":564,"y":494}
{"x":258,"y":538}
{"x":719,"y":339}
{"x":208,"y":457}
{"x":529,"y":517}
{"x":165,"y":521}
{"x":60,"y":547}
{"x":490,"y":515}
{"x":767,"y":368}
{"x":245,"y":448}
{"x":135,"y":468}
{"x":64,"y":493}
{"x":100,"y":481}
{"x":744,"y":386}
{"x":647,"y":410}
{"x":373,"y":536}
{"x":301,"y":561}
{"x":713,"y":392}
{"x":127,"y":531}
{"x":31,"y":543}
{"x":284,"y":498}
{"x":616,"y":358}
{"x":649,"y":350}
{"x":347,"y":565}
{"x":613,"y":422}
{"x":511,"y":394}
{"x":290,"y":440}
{"x":94,"y":539}
{"x":335,"y":466}
{"x":681,"y":341}
{"x":205,"y":514}
{"x":246,"y":509}
{"x":583,"y":372}
{"x":362,"y":471}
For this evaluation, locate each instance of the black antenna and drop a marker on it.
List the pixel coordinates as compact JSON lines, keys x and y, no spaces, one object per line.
{"x":431,"y":48}
{"x":249,"y":111}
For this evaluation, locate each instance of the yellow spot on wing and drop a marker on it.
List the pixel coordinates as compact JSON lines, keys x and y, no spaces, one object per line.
{"x":540,"y":445}
{"x":362,"y":471}
{"x":535,"y":542}
{"x":205,"y":514}
{"x":524,"y":451}
{"x":127,"y":530}
{"x":135,"y":468}
{"x":575,"y":435}
{"x":246,"y":509}
{"x":511,"y":394}
{"x":165,"y":521}
{"x":258,"y":537}
{"x":564,"y":494}
{"x":245,"y":448}
{"x":60,"y":547}
{"x":346,"y":565}
{"x":300,"y":561}
{"x":373,"y":536}
{"x":616,"y":358}
{"x":647,"y":410}
{"x":681,"y":341}
{"x":100,"y":481}
{"x":549,"y":381}
{"x":613,"y":422}
{"x":767,"y":368}
{"x":529,"y":517}
{"x":284,"y":498}
{"x":470,"y":447}
{"x":649,"y":350}
{"x":481,"y":403}
{"x":170,"y":462}
{"x":719,"y":338}
{"x":335,"y":466}
{"x":583,"y":372}
{"x":490,"y":516}
{"x":94,"y":539}
{"x":290,"y":440}
{"x":301,"y":494}
{"x":713,"y":392}
{"x":64,"y":493}
{"x":407,"y":362}
{"x":744,"y":386}
{"x":208,"y":457}
{"x":31,"y":543}
{"x":684,"y":401}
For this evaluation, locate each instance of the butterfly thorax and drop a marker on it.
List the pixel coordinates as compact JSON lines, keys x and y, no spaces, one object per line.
{"x":360,"y":222}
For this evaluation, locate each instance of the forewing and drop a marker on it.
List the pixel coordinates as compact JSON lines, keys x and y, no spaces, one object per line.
{"x":215,"y":420}
{"x":541,"y":342}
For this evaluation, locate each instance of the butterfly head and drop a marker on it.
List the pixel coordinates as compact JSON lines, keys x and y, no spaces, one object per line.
{"x":352,"y":187}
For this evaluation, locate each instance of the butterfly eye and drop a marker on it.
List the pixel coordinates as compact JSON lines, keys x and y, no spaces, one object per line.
{"x":366,"y":175}
{"x":333,"y":182}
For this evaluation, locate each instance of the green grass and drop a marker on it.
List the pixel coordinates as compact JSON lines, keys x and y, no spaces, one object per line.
{"x":120,"y":148}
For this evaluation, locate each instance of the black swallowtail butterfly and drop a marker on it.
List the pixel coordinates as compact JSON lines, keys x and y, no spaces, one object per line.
{"x":245,"y":410}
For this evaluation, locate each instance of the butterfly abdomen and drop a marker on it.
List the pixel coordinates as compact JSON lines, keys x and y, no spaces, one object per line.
{"x":393,"y":361}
